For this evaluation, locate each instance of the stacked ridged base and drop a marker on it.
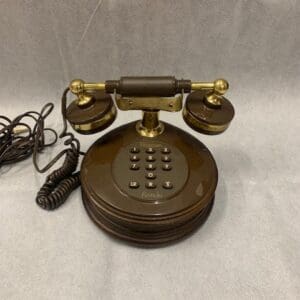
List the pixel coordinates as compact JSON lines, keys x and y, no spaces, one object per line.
{"x":152,"y":231}
{"x":140,"y":214}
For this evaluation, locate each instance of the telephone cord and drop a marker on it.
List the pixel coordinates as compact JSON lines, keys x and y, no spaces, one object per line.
{"x":15,"y":146}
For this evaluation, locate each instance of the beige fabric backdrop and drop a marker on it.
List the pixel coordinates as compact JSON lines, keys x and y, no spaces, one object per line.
{"x":250,"y":246}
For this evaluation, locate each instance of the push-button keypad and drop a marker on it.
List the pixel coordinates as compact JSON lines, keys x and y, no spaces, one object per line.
{"x":156,"y":171}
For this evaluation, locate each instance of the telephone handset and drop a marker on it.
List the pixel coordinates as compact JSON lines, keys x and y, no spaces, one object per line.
{"x":148,"y":181}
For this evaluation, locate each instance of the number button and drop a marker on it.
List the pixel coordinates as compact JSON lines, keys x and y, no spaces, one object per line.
{"x":150,"y":167}
{"x":166,"y":150}
{"x":168,"y":185}
{"x":134,"y":158}
{"x":167,"y":167}
{"x":150,"y":185}
{"x":150,"y":158}
{"x":166,"y":158}
{"x":133,"y":184}
{"x":134,"y":150}
{"x":134,"y":167}
{"x":150,"y":150}
{"x":150,"y":175}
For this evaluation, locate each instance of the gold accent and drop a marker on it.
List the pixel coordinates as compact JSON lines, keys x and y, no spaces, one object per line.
{"x":213,"y":100}
{"x":99,"y":86}
{"x":194,"y":122}
{"x":79,"y":87}
{"x":150,"y":126}
{"x":218,"y":87}
{"x":87,"y":127}
{"x":221,"y":86}
{"x":196,"y":86}
{"x":84,"y":100}
{"x":150,"y":103}
{"x":150,"y":119}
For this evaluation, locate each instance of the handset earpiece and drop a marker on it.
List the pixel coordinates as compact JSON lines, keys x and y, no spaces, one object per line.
{"x":92,"y":111}
{"x":209,"y":112}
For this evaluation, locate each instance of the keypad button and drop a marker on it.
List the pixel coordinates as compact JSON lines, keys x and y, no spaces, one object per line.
{"x":167,"y":167}
{"x":134,"y":158}
{"x":133,"y":184}
{"x":166,"y":158}
{"x":150,"y":167}
{"x":150,"y":175}
{"x":134,"y":150}
{"x":150,"y":185}
{"x":134,"y":167}
{"x":168,"y":185}
{"x":166,"y":150}
{"x":150,"y":158}
{"x":150,"y":150}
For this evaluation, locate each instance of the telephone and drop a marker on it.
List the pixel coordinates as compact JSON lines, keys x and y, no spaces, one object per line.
{"x":148,"y":182}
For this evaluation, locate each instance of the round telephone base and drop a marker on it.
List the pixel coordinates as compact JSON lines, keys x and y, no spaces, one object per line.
{"x":147,"y":238}
{"x":148,"y":191}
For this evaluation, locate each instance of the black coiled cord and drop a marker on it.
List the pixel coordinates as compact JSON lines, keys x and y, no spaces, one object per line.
{"x":60,"y":183}
{"x":13,"y":148}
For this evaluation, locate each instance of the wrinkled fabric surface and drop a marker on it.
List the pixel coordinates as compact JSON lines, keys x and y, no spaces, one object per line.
{"x":250,"y":246}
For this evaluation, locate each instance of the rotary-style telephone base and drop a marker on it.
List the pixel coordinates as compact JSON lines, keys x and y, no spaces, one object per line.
{"x":148,"y":191}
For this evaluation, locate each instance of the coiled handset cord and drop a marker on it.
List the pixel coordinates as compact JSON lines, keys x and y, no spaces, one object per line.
{"x":61,"y":182}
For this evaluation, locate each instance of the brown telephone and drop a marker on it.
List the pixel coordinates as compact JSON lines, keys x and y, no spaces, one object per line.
{"x":148,"y":182}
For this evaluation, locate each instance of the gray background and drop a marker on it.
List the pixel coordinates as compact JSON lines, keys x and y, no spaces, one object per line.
{"x":250,"y":246}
